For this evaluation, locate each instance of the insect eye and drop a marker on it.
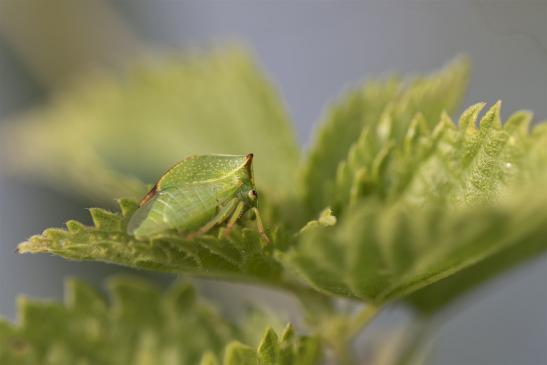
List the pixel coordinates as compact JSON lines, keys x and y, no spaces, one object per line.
{"x":252,"y":194}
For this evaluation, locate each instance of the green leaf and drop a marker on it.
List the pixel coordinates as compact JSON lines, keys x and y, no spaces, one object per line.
{"x":141,"y":326}
{"x":406,"y":200}
{"x":452,"y":165}
{"x":444,"y":203}
{"x":383,"y":253}
{"x":97,"y":137}
{"x":382,"y":110}
{"x":243,"y":255}
{"x":268,"y":350}
{"x":256,"y":320}
{"x":287,"y":350}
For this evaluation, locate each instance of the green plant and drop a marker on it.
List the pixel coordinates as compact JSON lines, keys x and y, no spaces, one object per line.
{"x":394,"y":202}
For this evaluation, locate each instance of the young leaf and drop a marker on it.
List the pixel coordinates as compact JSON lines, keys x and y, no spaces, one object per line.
{"x":336,"y":134}
{"x":379,"y":253}
{"x":451,"y":165}
{"x":447,"y":200}
{"x":141,"y":326}
{"x":96,"y":136}
{"x":287,"y":350}
{"x":383,"y":111}
{"x":243,"y":255}
{"x":440,"y":294}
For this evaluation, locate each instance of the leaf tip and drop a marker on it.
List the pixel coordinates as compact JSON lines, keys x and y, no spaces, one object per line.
{"x":268,"y":349}
{"x":127,"y":206}
{"x":30,"y":246}
{"x":469,"y":116}
{"x":446,"y":117}
{"x":104,"y":219}
{"x":288,"y":332}
{"x":519,"y":121}
{"x":74,"y":226}
{"x":491,"y":118}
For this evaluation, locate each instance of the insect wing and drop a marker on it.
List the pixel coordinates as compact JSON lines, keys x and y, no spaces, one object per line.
{"x":140,"y":215}
{"x":185,"y":207}
{"x":203,"y":169}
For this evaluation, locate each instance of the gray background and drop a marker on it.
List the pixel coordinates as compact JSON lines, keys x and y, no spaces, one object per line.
{"x":312,"y":50}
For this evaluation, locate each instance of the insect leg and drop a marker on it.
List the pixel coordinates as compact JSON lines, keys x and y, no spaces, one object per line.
{"x":260,"y":226}
{"x":222,"y":215}
{"x":235,"y":216}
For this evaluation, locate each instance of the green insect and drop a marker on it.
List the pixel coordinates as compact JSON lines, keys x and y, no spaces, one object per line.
{"x":198,"y":194}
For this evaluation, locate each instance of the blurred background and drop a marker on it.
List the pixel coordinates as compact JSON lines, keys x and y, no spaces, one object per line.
{"x":311,"y":51}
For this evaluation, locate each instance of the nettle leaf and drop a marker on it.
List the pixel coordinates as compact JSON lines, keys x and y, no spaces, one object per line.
{"x":442,"y":203}
{"x":273,"y":350}
{"x":525,"y":246}
{"x":380,"y":253}
{"x":142,"y":325}
{"x":98,"y":136}
{"x":369,"y":111}
{"x":449,"y":164}
{"x":243,"y":255}
{"x":400,"y":201}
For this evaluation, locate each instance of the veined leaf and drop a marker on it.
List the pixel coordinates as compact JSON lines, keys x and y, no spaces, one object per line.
{"x":533,"y":167}
{"x":444,"y":202}
{"x":336,"y":134}
{"x":447,"y":165}
{"x":413,"y":203}
{"x":243,"y":255}
{"x":440,"y":294}
{"x":96,"y":137}
{"x":141,"y":326}
{"x":382,"y":109}
{"x":380,"y":253}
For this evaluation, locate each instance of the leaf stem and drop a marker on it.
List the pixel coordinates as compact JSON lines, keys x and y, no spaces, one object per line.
{"x":343,"y":345}
{"x":362,"y":319}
